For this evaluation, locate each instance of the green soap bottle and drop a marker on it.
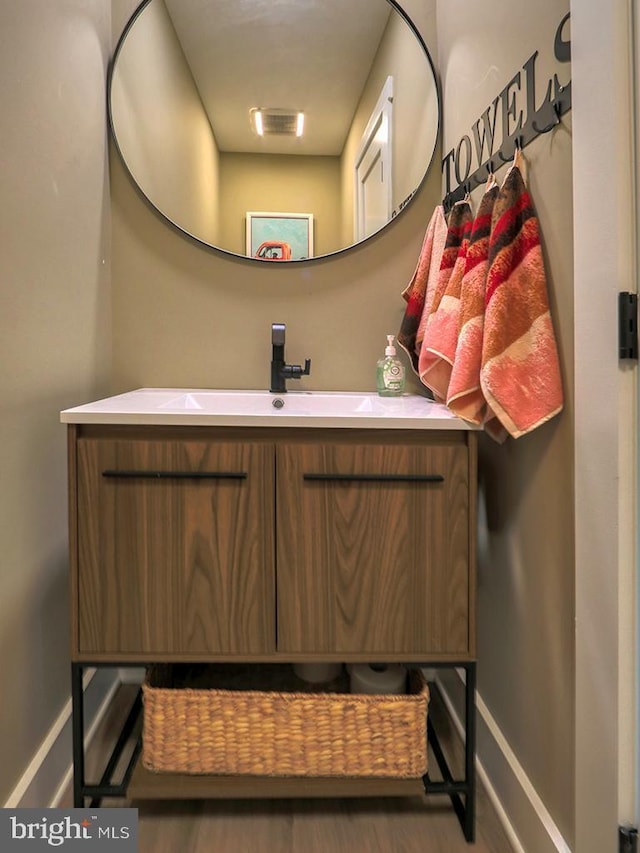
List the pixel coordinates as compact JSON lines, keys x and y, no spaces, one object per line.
{"x":390,"y":372}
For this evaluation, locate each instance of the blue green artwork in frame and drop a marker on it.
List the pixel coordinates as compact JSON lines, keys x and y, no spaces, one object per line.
{"x":279,"y":236}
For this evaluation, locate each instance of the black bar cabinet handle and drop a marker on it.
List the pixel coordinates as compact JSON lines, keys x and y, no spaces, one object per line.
{"x":177,"y":475}
{"x":377,"y":478}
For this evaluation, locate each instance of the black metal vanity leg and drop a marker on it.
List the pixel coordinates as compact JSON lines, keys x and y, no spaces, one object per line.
{"x":77,"y":729}
{"x":469,"y":824}
{"x":456,"y":789}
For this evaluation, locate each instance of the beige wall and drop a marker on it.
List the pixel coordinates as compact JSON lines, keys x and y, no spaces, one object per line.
{"x":162,"y":128}
{"x":286,"y":183}
{"x":526,"y":553}
{"x":56,"y":334}
{"x":187,"y":316}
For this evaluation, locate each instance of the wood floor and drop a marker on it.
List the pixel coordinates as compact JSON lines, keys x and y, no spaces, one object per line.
{"x":368,"y":825}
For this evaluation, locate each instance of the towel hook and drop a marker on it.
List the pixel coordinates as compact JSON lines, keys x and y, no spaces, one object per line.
{"x":554,"y":123}
{"x":518,"y":145}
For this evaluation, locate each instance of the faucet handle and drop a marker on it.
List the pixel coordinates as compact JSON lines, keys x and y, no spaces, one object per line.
{"x":295,"y":371}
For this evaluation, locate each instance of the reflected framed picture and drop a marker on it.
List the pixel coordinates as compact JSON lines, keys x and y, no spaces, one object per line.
{"x":279,"y":236}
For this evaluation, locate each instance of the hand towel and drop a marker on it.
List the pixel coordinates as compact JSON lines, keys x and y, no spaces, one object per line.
{"x":447,"y":260}
{"x":443,"y":323}
{"x":520,"y":373}
{"x":465,"y":397}
{"x":419,"y":292}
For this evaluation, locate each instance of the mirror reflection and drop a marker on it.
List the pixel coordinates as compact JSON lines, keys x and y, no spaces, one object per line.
{"x":279,"y":130}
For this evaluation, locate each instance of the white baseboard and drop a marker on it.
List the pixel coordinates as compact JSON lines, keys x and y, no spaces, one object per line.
{"x":525,"y":819}
{"x":50,"y":770}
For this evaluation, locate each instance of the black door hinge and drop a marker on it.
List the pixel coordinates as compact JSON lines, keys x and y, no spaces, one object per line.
{"x":628,"y":325}
{"x":627,"y":839}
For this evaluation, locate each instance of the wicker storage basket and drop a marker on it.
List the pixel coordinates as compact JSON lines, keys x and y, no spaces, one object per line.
{"x":236,"y":729}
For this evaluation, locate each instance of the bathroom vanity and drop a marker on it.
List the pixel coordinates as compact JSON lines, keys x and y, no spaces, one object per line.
{"x":246,"y":526}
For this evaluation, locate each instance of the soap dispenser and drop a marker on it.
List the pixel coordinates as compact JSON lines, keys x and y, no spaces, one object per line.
{"x":390,"y":373}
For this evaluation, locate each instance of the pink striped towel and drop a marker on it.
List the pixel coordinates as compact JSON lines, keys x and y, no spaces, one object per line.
{"x":520,"y":373}
{"x":442,"y":327}
{"x":465,"y":397}
{"x":419,"y":292}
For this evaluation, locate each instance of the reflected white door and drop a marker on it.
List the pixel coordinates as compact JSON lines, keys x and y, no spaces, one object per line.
{"x":373,"y":173}
{"x":372,"y":191}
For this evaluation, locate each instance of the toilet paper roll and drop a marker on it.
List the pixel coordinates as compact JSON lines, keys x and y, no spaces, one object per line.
{"x":317,"y":673}
{"x":378,"y":678}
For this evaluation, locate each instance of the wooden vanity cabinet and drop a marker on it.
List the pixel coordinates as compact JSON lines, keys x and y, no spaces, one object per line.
{"x":175,"y":545}
{"x":202,"y":543}
{"x":205,"y":543}
{"x":373,"y":546}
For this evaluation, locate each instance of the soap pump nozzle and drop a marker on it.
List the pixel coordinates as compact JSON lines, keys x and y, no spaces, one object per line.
{"x":390,"y":349}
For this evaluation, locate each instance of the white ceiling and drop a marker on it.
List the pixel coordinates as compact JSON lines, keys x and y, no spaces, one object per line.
{"x":310,"y":55}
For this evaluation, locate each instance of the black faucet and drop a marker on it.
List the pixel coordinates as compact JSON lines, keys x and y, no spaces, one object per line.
{"x":280,"y":370}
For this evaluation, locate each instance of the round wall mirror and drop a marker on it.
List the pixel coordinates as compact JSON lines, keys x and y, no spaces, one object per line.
{"x":278,"y":131}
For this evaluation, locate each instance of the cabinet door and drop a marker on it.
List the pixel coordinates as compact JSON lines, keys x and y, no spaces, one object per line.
{"x":175,"y":547}
{"x":373,"y":548}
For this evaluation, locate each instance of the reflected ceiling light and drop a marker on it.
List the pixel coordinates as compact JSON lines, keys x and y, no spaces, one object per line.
{"x":256,"y":115}
{"x":277,"y":122}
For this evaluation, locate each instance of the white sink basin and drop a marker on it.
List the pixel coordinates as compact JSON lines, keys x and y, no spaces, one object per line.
{"x":262,"y":408}
{"x":319,"y":403}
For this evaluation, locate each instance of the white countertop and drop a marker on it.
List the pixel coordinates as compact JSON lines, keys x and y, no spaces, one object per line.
{"x":207,"y":407}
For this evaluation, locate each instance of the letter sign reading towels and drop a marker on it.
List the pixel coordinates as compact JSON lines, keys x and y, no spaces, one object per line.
{"x":515,"y":116}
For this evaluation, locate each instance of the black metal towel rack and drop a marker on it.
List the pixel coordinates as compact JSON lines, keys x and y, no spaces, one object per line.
{"x":546,"y":120}
{"x":539,"y":120}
